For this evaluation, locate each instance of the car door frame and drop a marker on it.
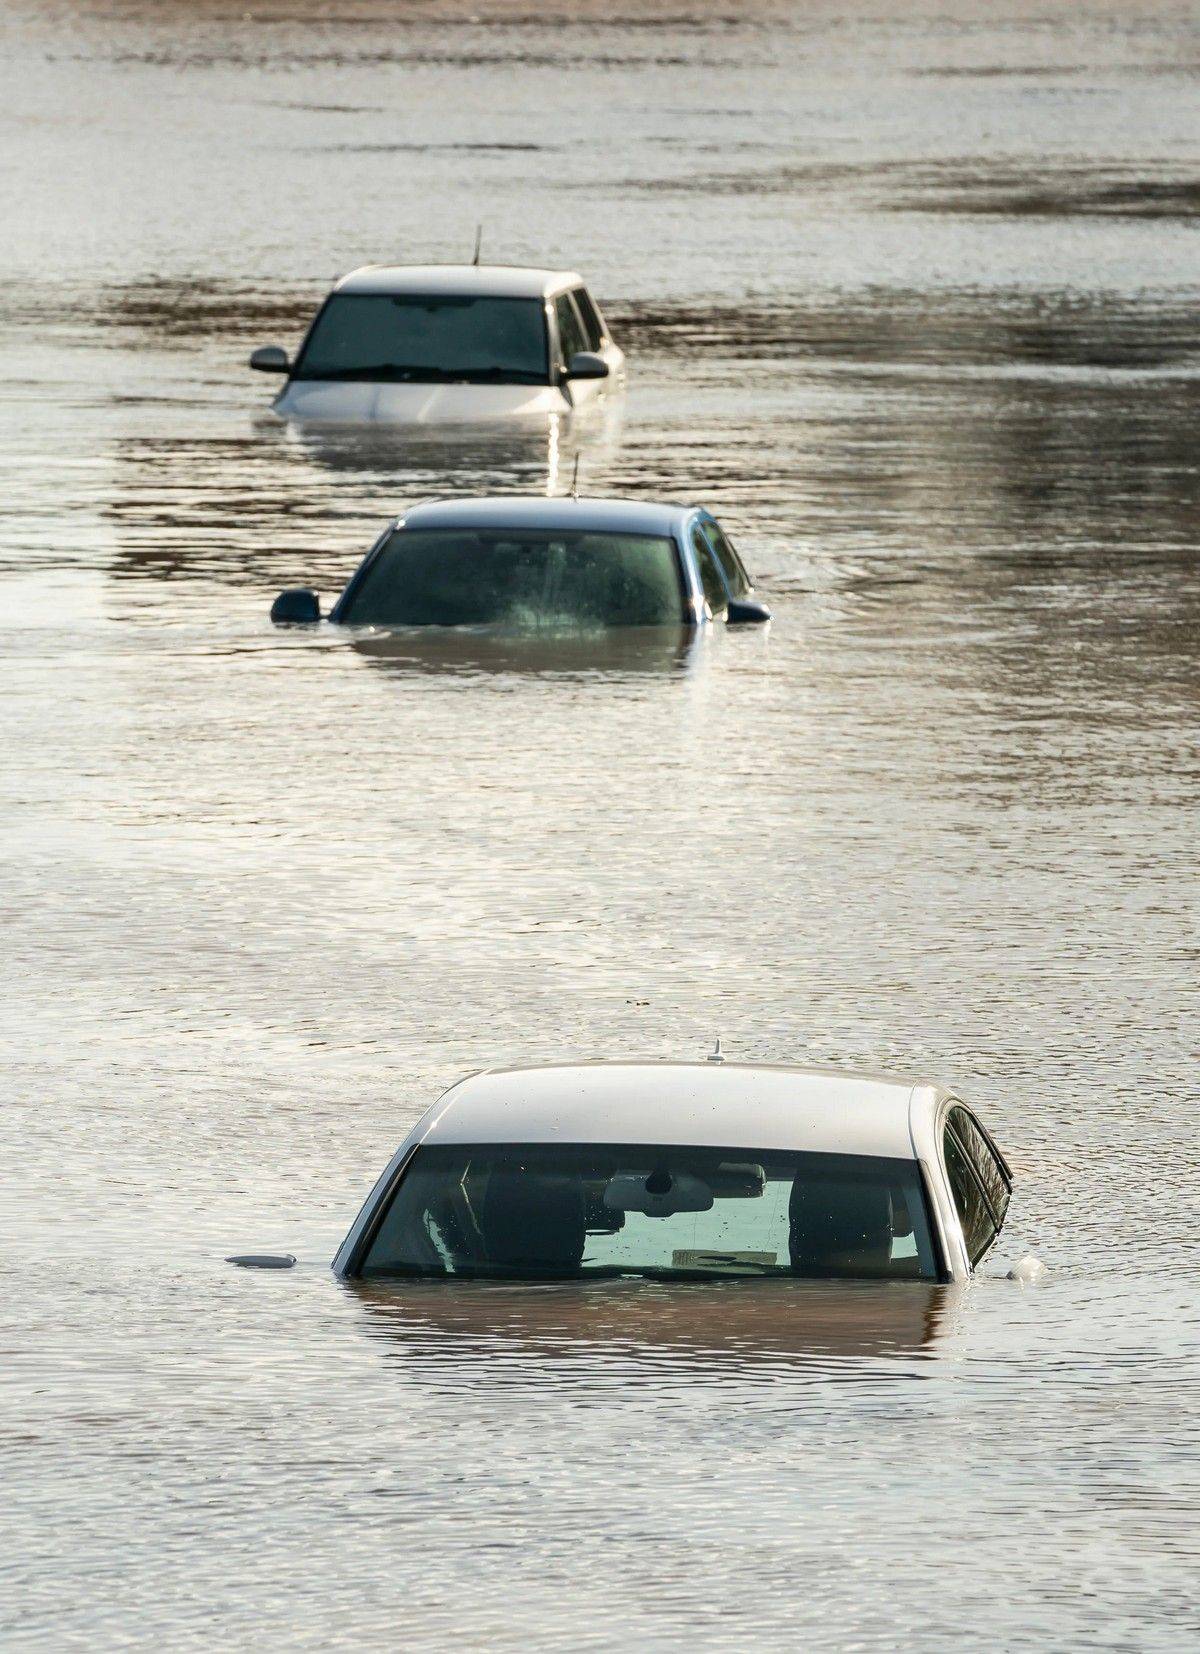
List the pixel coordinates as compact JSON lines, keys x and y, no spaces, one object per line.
{"x":696,"y":606}
{"x":696,"y":522}
{"x":611,"y":352}
{"x":696,"y":526}
{"x":705,"y":518}
{"x":949,"y":1103}
{"x":356,"y":579}
{"x":579,"y":392}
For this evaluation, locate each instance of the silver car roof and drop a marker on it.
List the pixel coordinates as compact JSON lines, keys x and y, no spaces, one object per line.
{"x":532,"y":511}
{"x":491,"y":280}
{"x":723,"y":1105}
{"x":700,"y":1104}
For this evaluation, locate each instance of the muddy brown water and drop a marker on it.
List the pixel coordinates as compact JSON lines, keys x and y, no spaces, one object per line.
{"x":910,"y":298}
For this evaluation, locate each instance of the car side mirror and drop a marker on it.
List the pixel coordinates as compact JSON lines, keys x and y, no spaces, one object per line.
{"x":298,"y":606}
{"x":585,"y":364}
{"x":270,"y":359}
{"x":746,"y":611}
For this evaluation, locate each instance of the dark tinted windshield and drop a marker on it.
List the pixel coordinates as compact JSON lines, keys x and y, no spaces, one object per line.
{"x":518,"y":580}
{"x":427,"y":337}
{"x":520,"y":1210}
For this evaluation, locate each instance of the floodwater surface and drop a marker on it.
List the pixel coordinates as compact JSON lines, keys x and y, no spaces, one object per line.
{"x":910,"y":300}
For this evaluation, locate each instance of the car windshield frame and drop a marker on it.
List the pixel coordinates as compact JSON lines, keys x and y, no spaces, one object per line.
{"x":383,"y":371}
{"x":448,"y":1169}
{"x":343,"y":612}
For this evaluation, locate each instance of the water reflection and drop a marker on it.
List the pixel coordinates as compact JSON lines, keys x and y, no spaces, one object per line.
{"x":527,"y":456}
{"x":1042,"y":189}
{"x":888,"y":325}
{"x":721,"y":1330}
{"x":628,"y":650}
{"x":266,"y":894}
{"x":533,"y":456}
{"x":300,"y":505}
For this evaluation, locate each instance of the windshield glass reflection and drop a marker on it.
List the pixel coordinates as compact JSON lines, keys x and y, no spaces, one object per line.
{"x":518,"y":580}
{"x":427,"y":338}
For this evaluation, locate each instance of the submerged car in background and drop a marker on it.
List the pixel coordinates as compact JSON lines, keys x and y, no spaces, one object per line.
{"x":448,"y":344}
{"x":684,"y":1171}
{"x":520,"y":564}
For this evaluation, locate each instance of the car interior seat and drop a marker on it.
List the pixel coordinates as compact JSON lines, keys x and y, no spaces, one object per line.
{"x":840,"y":1228}
{"x":528,"y":1221}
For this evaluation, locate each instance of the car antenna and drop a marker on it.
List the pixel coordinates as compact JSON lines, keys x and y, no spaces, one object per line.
{"x":716,"y":1054}
{"x":575,"y":479}
{"x":478,"y":243}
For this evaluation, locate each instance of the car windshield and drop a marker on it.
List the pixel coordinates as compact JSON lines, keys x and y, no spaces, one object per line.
{"x":427,"y":337}
{"x":518,"y":580}
{"x":563,"y":1210}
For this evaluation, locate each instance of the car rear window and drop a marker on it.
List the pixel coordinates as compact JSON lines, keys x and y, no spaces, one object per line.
{"x":534,"y":1210}
{"x":518,"y":580}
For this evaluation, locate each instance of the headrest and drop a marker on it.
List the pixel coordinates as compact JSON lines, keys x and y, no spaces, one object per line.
{"x":840,"y":1227}
{"x":532,"y":1220}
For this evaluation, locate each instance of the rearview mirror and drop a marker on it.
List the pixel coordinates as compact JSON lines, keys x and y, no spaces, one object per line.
{"x":745,"y":611}
{"x":585,"y":364}
{"x":737,"y":1180}
{"x":658,"y":1194}
{"x":298,"y":606}
{"x":270,"y":359}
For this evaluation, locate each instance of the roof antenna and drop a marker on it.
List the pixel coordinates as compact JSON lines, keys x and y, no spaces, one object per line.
{"x":478,"y":242}
{"x":716,"y":1055}
{"x":575,"y":478}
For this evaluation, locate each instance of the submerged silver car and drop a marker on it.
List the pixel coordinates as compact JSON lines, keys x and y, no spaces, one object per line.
{"x":530,"y":564}
{"x":685,"y":1170}
{"x":448,"y":344}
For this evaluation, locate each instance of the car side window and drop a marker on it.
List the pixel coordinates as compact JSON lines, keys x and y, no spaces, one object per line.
{"x":732,"y":567}
{"x":710,"y":574}
{"x":979,"y":1230}
{"x":590,"y":317}
{"x":992,"y":1173}
{"x":571,"y":337}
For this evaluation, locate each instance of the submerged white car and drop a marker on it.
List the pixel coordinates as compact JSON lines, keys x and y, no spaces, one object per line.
{"x":685,"y":1171}
{"x":448,"y":344}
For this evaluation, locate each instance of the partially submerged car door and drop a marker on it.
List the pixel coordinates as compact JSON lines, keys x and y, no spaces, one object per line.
{"x":580,"y":331}
{"x":736,"y":579}
{"x":727,"y":587}
{"x":716,"y":593}
{"x":596,"y":331}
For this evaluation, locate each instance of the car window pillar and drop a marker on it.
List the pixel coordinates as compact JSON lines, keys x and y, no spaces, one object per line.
{"x":712,"y":576}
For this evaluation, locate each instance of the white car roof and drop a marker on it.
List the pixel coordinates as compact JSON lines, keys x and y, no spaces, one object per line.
{"x":726,"y":1105}
{"x":495,"y":280}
